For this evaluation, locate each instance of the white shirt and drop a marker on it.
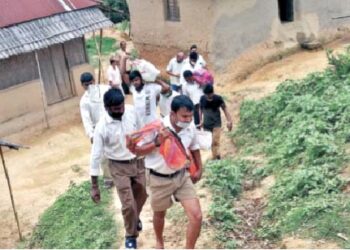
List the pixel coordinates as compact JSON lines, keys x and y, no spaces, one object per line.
{"x":200,"y":60}
{"x":122,"y":54}
{"x":175,"y":68}
{"x":188,"y":66}
{"x":91,"y":107}
{"x":113,"y":75}
{"x":193,"y":91}
{"x":189,"y":139}
{"x":109,"y":138}
{"x":165,"y":103}
{"x":145,"y":102}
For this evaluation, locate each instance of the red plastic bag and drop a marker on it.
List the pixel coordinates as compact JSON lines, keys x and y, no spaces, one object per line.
{"x":172,"y":150}
{"x":193,"y":167}
{"x":203,"y":77}
{"x":174,"y":153}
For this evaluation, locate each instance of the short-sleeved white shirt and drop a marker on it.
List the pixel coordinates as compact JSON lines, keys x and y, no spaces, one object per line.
{"x":113,"y":75}
{"x":200,"y":60}
{"x":189,"y":139}
{"x":193,"y":91}
{"x":145,"y":102}
{"x":188,"y":66}
{"x":165,"y":103}
{"x":175,"y":68}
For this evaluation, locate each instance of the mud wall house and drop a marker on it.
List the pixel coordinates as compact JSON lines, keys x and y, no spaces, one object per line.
{"x":226,"y":29}
{"x":42,"y":54}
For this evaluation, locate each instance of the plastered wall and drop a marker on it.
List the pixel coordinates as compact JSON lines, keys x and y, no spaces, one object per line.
{"x":20,"y":100}
{"x":227,"y":28}
{"x":22,"y":110}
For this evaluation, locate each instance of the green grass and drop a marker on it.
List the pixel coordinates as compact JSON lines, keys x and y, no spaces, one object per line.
{"x":303,"y":129}
{"x":75,"y":221}
{"x":109,"y":46}
{"x":123,"y":26}
{"x":224,"y":178}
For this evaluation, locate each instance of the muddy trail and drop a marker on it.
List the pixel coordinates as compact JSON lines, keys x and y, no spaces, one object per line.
{"x":60,"y":156}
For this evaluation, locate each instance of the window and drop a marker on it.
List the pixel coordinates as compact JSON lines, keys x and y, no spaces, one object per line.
{"x":172,"y":10}
{"x":286,"y":10}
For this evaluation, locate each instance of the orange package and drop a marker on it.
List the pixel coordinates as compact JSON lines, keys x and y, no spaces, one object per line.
{"x":173,"y":153}
{"x":193,"y":167}
{"x":147,"y":134}
{"x":172,"y":150}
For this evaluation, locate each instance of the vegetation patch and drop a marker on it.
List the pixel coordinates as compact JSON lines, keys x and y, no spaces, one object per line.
{"x":225,"y":179}
{"x":303,"y":130}
{"x":109,"y":46}
{"x":75,"y":221}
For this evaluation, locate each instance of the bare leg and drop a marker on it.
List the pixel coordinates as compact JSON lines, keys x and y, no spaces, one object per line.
{"x":158,"y":225}
{"x":194,"y":215}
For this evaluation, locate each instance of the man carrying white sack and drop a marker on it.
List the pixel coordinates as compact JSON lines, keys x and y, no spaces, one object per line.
{"x":146,"y":87}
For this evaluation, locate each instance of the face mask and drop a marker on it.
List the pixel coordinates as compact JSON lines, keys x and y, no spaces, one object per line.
{"x":115,"y":116}
{"x":183,"y":125}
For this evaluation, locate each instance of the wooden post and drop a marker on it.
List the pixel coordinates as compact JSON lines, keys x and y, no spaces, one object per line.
{"x":99,"y":49}
{"x":11,"y":195}
{"x":100,"y":62}
{"x":44,"y":101}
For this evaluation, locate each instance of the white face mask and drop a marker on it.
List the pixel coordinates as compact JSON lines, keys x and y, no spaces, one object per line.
{"x":183,"y":125}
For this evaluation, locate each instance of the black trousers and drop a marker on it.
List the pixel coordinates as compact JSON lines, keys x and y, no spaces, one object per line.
{"x":196,"y":114}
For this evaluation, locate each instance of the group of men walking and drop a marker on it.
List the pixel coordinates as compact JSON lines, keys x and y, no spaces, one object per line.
{"x":108,"y":122}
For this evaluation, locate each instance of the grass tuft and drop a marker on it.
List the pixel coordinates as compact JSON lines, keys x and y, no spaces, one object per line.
{"x":75,"y":221}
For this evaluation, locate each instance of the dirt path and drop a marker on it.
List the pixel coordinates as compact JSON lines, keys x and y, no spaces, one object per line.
{"x":61,"y":155}
{"x":174,"y":233}
{"x":39,"y":175}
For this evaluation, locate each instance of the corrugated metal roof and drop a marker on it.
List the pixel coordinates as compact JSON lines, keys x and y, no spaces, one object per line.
{"x":41,"y":33}
{"x":18,"y":11}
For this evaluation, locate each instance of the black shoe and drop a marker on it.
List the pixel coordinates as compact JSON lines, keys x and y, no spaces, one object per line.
{"x":139,"y":226}
{"x":130,"y":243}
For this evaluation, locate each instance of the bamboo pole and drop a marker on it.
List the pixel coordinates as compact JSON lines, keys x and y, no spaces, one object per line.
{"x":100,"y":64}
{"x":43,"y":97}
{"x":99,"y":49}
{"x":11,"y":195}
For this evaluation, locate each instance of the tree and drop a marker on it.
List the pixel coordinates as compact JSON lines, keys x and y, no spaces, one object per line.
{"x":116,"y":10}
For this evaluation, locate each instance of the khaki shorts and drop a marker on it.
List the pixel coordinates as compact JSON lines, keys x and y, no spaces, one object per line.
{"x":161,"y":189}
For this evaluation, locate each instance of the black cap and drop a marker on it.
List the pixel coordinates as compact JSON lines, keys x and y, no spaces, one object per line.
{"x":86,"y":77}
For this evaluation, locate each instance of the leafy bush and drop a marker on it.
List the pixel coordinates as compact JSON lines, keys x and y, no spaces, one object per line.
{"x":304,"y":128}
{"x":116,"y":10}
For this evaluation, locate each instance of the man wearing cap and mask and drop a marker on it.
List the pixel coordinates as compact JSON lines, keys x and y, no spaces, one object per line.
{"x":128,"y":171}
{"x":91,"y":109}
